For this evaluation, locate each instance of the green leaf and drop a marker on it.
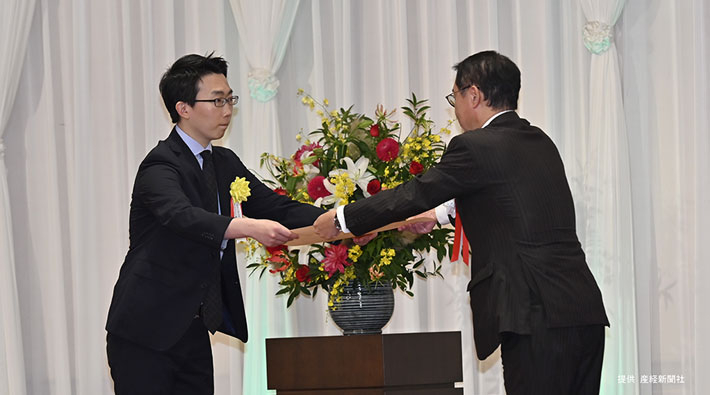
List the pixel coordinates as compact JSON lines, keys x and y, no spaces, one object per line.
{"x":290,"y":299}
{"x":309,"y":160}
{"x":365,"y":124}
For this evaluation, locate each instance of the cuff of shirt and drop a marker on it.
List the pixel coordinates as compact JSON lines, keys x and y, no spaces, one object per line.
{"x":340,"y":212}
{"x":445,"y":211}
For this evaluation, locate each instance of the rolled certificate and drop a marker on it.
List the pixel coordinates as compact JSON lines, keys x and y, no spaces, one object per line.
{"x":307,"y":235}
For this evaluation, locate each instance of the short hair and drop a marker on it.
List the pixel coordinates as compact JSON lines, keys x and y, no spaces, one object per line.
{"x":494,"y":74}
{"x":181,"y":81}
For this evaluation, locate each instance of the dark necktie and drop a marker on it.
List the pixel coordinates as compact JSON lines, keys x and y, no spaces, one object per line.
{"x":212,"y":304}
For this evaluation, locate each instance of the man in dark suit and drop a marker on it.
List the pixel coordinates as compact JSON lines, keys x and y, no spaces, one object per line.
{"x":531,"y":289}
{"x":179,"y":278}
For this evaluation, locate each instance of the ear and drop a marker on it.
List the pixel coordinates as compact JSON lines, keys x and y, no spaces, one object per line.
{"x":475,"y":96}
{"x":183,"y":109}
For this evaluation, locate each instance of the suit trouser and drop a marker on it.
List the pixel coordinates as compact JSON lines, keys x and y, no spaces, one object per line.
{"x":186,"y":368}
{"x":553,"y":361}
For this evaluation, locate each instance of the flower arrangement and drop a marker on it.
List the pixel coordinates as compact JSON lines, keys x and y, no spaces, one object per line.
{"x":351,"y":157}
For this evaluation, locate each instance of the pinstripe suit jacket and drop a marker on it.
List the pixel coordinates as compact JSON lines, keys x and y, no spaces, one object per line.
{"x":517,"y":212}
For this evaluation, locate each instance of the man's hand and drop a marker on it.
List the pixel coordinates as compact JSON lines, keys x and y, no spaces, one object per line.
{"x":364,"y":239}
{"x":421,"y":227}
{"x":267,"y":232}
{"x":325,"y":226}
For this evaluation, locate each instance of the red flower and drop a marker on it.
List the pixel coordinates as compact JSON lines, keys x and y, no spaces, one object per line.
{"x":374,"y":186}
{"x":302,"y":274}
{"x":316,"y":189}
{"x":375,"y":130}
{"x":297,"y":167}
{"x":278,"y":257}
{"x":281,"y":191}
{"x":304,"y":152}
{"x":336,"y":259}
{"x":415,"y":167}
{"x":275,"y":249}
{"x":387,"y":149}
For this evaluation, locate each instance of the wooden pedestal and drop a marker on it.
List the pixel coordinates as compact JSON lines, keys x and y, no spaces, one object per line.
{"x":392,"y":364}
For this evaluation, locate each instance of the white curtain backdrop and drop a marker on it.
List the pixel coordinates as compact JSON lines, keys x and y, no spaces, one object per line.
{"x":606,"y":196}
{"x":264,"y":30}
{"x":87,"y":110}
{"x":15,"y":23}
{"x":664,"y":50}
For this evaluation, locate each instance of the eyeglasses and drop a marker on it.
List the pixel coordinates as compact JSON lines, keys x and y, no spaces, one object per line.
{"x":221,"y":101}
{"x":452,"y":99}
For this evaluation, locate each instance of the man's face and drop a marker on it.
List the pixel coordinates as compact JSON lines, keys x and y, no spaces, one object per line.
{"x":207,"y":122}
{"x":463,"y":108}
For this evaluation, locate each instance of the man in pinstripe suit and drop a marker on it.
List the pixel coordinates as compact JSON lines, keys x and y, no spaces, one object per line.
{"x":531,"y":289}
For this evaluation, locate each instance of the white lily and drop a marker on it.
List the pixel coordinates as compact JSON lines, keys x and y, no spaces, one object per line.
{"x":358,"y":172}
{"x":310,"y":171}
{"x":330,"y":199}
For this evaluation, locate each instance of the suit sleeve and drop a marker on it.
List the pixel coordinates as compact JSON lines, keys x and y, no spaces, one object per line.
{"x":159,"y":188}
{"x":454,"y":175}
{"x":264,"y":203}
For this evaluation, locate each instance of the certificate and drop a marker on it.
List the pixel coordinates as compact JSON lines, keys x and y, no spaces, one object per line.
{"x":307,"y":235}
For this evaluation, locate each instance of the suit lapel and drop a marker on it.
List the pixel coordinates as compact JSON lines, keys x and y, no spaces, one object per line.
{"x":192,"y":168}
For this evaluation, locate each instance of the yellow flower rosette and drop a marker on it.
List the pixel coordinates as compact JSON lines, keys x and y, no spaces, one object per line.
{"x":239,"y":190}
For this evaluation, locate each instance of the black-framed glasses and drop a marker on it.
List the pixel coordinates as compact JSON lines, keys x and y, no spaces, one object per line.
{"x":452,"y":99}
{"x":221,"y":101}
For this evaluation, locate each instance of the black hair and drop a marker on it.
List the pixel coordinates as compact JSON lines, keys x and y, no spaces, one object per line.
{"x":181,"y":81}
{"x":496,"y":76}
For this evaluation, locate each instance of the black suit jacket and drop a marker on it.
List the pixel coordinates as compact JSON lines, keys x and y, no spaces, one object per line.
{"x":517,"y":212}
{"x":175,"y":245}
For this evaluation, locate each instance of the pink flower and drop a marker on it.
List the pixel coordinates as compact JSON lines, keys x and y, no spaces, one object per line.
{"x":375,"y":130}
{"x":374,"y":186}
{"x":415,"y":167}
{"x":336,"y":259}
{"x":316,"y":189}
{"x":281,"y":191}
{"x":387,"y":149}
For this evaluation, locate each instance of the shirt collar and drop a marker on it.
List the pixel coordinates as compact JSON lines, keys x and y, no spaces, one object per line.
{"x":195,"y":147}
{"x":494,"y":117}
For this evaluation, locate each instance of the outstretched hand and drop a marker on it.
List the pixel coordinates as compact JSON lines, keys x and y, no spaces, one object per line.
{"x":325,"y":225}
{"x":364,"y":239}
{"x":267,"y":232}
{"x":421,"y":227}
